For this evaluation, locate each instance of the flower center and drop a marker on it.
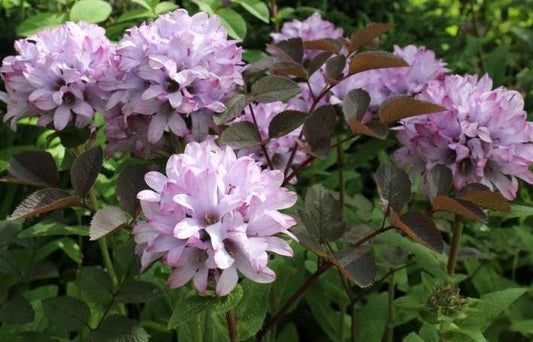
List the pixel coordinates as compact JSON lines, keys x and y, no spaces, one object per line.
{"x":59,"y":83}
{"x":171,"y":86}
{"x":209,"y":219}
{"x":69,"y":98}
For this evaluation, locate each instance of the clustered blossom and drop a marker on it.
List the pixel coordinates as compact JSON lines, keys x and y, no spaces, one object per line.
{"x":312,"y":28}
{"x":381,"y":84}
{"x":213,"y":214}
{"x":175,"y":69}
{"x":483,"y":137}
{"x":55,"y":75}
{"x":278,"y":149}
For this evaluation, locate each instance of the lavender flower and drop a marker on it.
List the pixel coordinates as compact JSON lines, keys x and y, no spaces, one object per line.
{"x":213,"y":214}
{"x":177,"y":67}
{"x":483,"y":137}
{"x":56,"y":74}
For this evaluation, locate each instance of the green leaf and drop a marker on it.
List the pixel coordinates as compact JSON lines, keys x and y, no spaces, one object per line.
{"x":489,"y":307}
{"x":256,"y":7}
{"x":135,"y":14}
{"x":496,"y":63}
{"x":322,"y":215}
{"x":285,"y":122}
{"x":96,"y":283}
{"x":37,"y":167}
{"x":274,"y":88}
{"x":43,"y":201}
{"x":241,"y":134}
{"x":52,"y":228}
{"x":252,"y":309}
{"x":91,"y":11}
{"x":106,"y":221}
{"x":145,"y":4}
{"x":192,"y":306}
{"x":73,"y":136}
{"x":137,"y":291}
{"x":67,"y":245}
{"x":85,"y":169}
{"x":130,"y":182}
{"x":66,"y":313}
{"x":38,"y":22}
{"x":372,"y":318}
{"x":413,"y":337}
{"x":8,"y":152}
{"x":394,"y":186}
{"x":119,"y":329}
{"x":234,"y":107}
{"x":164,"y":7}
{"x":233,"y":22}
{"x":17,"y":311}
{"x":207,"y":6}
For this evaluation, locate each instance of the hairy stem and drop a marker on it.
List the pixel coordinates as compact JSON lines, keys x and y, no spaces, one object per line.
{"x":454,"y":246}
{"x":263,"y":147}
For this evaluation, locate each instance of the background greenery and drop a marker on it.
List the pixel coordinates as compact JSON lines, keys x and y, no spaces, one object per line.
{"x":473,"y":36}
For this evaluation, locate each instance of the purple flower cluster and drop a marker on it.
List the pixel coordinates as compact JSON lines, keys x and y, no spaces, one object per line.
{"x":383,"y":83}
{"x":56,"y":75}
{"x":483,"y":137}
{"x":213,"y":214}
{"x":177,"y":68}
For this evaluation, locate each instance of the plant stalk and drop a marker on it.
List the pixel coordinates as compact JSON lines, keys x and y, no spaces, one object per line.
{"x":454,"y":246}
{"x":233,"y":326}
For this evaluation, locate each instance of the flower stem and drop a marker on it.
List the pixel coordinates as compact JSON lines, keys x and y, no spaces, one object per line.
{"x":233,"y":326}
{"x":340,"y":166}
{"x":263,"y":147}
{"x":392,"y":314}
{"x":454,"y":246}
{"x":197,"y":333}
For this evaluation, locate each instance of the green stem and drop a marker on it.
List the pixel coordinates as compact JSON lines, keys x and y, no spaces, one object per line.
{"x":342,"y":331}
{"x":198,"y":335}
{"x":354,"y":322}
{"x":340,"y":165}
{"x":390,"y":323}
{"x":454,"y":246}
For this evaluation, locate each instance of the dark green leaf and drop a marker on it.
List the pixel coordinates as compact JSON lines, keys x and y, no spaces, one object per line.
{"x":285,"y":122}
{"x":274,"y":88}
{"x":241,"y":134}
{"x":322,"y":215}
{"x":394,"y":186}
{"x":66,"y":313}
{"x":136,"y":291}
{"x":317,"y":62}
{"x":96,"y":283}
{"x":106,"y":221}
{"x":257,"y":8}
{"x":359,"y":268}
{"x":130,"y":182}
{"x":334,"y":68}
{"x":439,"y":181}
{"x":36,"y":167}
{"x":17,"y":311}
{"x":119,"y":329}
{"x":37,"y":22}
{"x":252,"y":309}
{"x":72,"y":136}
{"x":234,"y":107}
{"x":318,"y":129}
{"x":52,"y":228}
{"x":291,"y":50}
{"x":85,"y":170}
{"x":43,"y":201}
{"x":355,"y":105}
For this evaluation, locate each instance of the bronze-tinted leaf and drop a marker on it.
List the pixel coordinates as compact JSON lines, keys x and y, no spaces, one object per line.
{"x":370,"y":60}
{"x":326,"y":44}
{"x":241,"y":134}
{"x":420,"y":228}
{"x":318,"y":128}
{"x":291,"y":50}
{"x":399,"y":107}
{"x":106,"y":221}
{"x":285,"y":122}
{"x":43,"y":201}
{"x":34,"y":167}
{"x":234,"y":107}
{"x":367,"y":35}
{"x":274,"y":88}
{"x":459,"y":207}
{"x":289,"y":69}
{"x":439,"y":181}
{"x":335,"y":68}
{"x":357,"y":267}
{"x":317,"y":62}
{"x":130,"y":182}
{"x":258,"y":67}
{"x":85,"y":170}
{"x":394,"y":186}
{"x":355,"y":105}
{"x":488,"y":199}
{"x":372,"y":129}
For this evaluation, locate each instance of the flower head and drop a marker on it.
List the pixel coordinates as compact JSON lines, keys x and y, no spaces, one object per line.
{"x":213,"y":214}
{"x":483,"y":137}
{"x":56,"y":75}
{"x":175,"y":67}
